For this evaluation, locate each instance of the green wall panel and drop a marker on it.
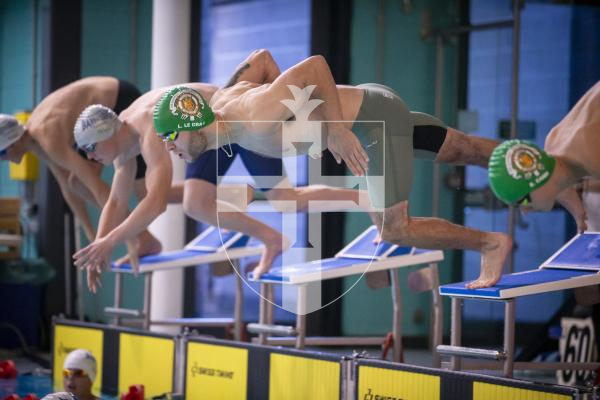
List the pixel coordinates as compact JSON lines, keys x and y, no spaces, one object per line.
{"x":107,"y":48}
{"x":409,"y":68}
{"x":108,"y":27}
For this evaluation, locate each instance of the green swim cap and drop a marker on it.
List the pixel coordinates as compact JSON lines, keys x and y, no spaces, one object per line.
{"x":182,"y":109}
{"x":518,"y":167}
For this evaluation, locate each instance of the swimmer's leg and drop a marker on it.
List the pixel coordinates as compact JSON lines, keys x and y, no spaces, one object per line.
{"x":436,"y":233}
{"x":432,"y":139}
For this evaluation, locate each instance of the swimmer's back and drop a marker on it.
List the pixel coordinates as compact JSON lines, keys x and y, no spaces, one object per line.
{"x":56,"y":114}
{"x":577,"y":136}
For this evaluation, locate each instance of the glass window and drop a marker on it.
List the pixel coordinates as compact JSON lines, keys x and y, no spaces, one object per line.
{"x":230,"y":31}
{"x":544,"y":81}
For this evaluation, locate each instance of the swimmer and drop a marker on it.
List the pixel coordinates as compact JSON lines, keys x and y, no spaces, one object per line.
{"x":350,"y":136}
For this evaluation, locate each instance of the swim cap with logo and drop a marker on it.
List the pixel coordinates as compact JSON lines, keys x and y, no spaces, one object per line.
{"x":83,"y":360}
{"x":182,"y":109}
{"x":518,"y":167}
{"x":10,"y":131}
{"x":95,"y":124}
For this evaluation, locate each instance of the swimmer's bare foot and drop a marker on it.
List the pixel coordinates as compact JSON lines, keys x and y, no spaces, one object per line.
{"x":273,"y":248}
{"x":146,"y":244}
{"x":493,"y":256}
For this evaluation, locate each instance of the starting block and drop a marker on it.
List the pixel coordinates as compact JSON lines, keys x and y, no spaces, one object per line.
{"x":354,"y":259}
{"x":576,"y":264}
{"x":212,"y":245}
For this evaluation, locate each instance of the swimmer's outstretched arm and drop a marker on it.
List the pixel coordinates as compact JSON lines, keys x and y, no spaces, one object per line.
{"x":75,"y":202}
{"x":93,"y":257}
{"x":267,"y":106}
{"x":258,"y":67}
{"x":58,"y":157}
{"x":159,"y":174}
{"x":114,"y":227}
{"x":67,"y":158}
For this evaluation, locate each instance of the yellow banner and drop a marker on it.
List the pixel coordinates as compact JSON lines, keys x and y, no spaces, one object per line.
{"x":488,"y":391}
{"x":216,"y":372}
{"x":299,"y":378}
{"x":383,"y":383}
{"x":68,"y":338}
{"x":148,"y":361}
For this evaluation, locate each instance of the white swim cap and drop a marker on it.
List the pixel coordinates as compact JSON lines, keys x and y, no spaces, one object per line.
{"x":10,"y":130}
{"x":95,"y":124}
{"x":83,"y":360}
{"x":59,"y":396}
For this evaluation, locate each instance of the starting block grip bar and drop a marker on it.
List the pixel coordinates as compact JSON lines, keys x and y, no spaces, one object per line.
{"x":277,"y":330}
{"x":195,"y":322}
{"x":471,"y":352}
{"x":123,"y":312}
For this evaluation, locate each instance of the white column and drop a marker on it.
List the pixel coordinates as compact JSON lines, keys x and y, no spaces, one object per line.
{"x":170,"y":65}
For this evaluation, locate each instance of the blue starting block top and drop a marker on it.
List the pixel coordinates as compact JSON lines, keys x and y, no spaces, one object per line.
{"x":212,"y":245}
{"x":576,"y":264}
{"x":287,"y":274}
{"x":354,"y":259}
{"x":213,"y":239}
{"x":364,"y":246}
{"x":523,"y":284}
{"x":581,"y":252}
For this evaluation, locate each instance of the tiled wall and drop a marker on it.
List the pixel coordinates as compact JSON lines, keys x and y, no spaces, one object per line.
{"x":230,"y":32}
{"x":558,"y":45}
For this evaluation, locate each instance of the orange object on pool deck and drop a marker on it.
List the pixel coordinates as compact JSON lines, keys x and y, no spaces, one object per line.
{"x":13,"y":396}
{"x":31,"y":396}
{"x":136,"y":392}
{"x":8,"y":370}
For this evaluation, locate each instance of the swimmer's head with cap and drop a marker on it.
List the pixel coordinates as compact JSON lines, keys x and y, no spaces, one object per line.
{"x":96,"y":124}
{"x":183,"y":109}
{"x":11,"y":132}
{"x":79,"y":372}
{"x":516,"y":169}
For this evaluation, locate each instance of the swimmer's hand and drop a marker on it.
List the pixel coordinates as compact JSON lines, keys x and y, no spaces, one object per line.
{"x":344,"y":145}
{"x":94,"y":258}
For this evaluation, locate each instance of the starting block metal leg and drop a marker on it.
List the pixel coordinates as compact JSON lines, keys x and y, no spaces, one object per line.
{"x":438,"y":315}
{"x":456,"y":332}
{"x":301,"y":316}
{"x":509,"y":337}
{"x":147,"y":299}
{"x":271,"y":299}
{"x":78,"y":273}
{"x":238,"y":312}
{"x":118,"y":289}
{"x":397,"y":317}
{"x":262,"y":311}
{"x":272,"y":304}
